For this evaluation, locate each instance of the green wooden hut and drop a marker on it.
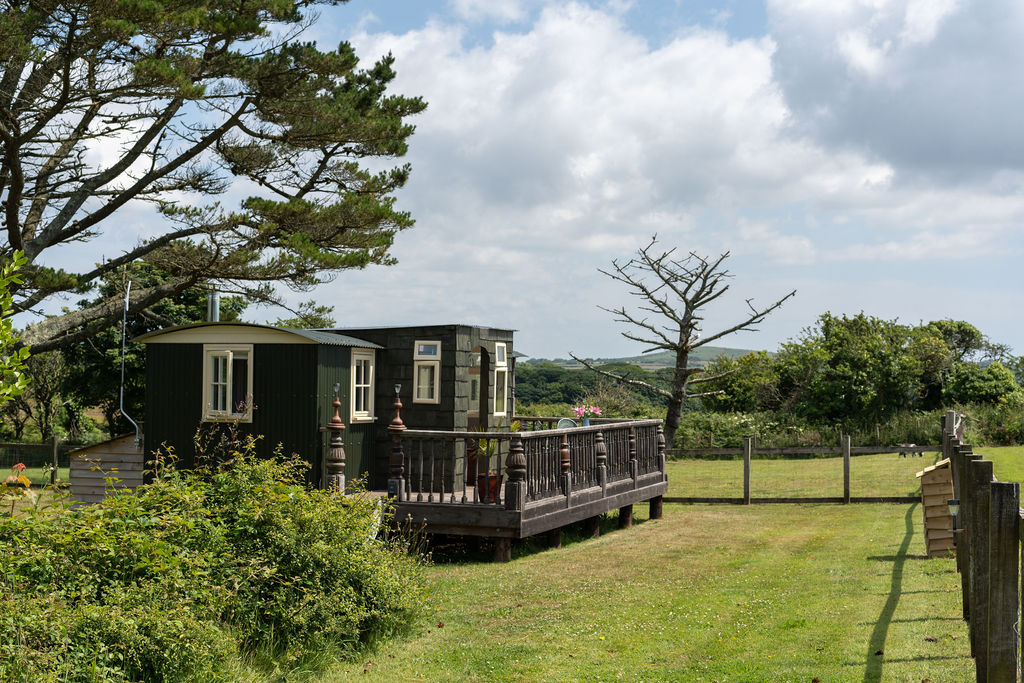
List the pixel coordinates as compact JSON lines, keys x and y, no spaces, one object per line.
{"x":279,"y":383}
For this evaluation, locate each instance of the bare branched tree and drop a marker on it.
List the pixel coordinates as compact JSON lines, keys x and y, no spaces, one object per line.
{"x":673,"y":293}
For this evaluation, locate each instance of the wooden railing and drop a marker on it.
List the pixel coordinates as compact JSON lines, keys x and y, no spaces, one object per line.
{"x":988,"y":532}
{"x":533,"y":424}
{"x":513,"y":469}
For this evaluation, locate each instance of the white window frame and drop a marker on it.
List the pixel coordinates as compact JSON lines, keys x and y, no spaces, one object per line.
{"x":431,"y":360}
{"x":360,"y":356}
{"x":227,"y":352}
{"x":501,"y":368}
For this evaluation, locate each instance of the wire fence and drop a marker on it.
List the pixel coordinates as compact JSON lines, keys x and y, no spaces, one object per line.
{"x":798,"y":474}
{"x":36,"y":455}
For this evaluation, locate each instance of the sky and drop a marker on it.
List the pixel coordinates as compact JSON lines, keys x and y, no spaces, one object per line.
{"x":867,"y":153}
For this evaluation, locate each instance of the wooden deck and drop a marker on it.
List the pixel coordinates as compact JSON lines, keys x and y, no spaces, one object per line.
{"x":528,"y":482}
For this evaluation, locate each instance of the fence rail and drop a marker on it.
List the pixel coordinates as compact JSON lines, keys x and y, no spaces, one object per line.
{"x":712,"y":477}
{"x":902,"y":449}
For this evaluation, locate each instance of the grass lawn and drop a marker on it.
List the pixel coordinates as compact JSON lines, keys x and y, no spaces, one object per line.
{"x":708,"y":593}
{"x":40,"y":476}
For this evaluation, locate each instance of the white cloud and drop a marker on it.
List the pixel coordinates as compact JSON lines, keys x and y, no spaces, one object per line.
{"x":556,"y":147}
{"x":774,"y":246}
{"x":502,"y":11}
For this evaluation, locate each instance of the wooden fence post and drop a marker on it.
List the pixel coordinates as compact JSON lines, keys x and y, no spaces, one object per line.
{"x":964,"y":541}
{"x":1004,"y":575}
{"x":56,"y":462}
{"x":748,"y":449}
{"x":981,"y":482}
{"x":846,"y":468}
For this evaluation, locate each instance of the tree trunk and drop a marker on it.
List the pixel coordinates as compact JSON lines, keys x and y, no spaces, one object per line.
{"x":675,"y":403}
{"x":672,"y":418}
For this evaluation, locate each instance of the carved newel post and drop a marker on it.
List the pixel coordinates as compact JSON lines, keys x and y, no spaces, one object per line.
{"x":336,"y":451}
{"x":515,"y":467}
{"x":656,"y":502}
{"x":396,"y":478}
{"x":601,"y":455}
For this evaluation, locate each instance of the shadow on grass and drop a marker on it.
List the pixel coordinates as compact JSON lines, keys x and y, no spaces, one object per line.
{"x":473,"y":550}
{"x":896,"y":558}
{"x":876,"y":644}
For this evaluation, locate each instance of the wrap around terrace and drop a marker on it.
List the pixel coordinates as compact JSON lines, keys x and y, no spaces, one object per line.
{"x":506,"y":485}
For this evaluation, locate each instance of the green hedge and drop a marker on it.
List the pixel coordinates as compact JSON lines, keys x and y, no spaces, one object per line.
{"x":198,"y":575}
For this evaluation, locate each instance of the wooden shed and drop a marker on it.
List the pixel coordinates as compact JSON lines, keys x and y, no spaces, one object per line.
{"x":936,"y":490}
{"x":279,"y":383}
{"x":117,"y":464}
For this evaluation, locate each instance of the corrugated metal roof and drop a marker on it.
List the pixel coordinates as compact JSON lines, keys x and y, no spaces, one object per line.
{"x":332,"y":338}
{"x":318,"y":336}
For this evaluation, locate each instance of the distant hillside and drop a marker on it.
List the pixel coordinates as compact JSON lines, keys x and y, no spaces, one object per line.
{"x":654,"y":361}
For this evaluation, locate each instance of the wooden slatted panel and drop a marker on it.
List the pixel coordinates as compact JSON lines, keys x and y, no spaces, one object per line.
{"x":116,"y":464}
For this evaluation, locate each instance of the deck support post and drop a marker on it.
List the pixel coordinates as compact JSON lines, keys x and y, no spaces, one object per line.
{"x":655,"y":507}
{"x":396,"y":480}
{"x":625,"y":516}
{"x":601,"y":458}
{"x":515,"y":467}
{"x":336,"y":452}
{"x":555,"y":538}
{"x":592,"y":527}
{"x":503,"y":550}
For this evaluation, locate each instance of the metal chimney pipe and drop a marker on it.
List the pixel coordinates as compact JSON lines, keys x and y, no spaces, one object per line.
{"x":213,"y":307}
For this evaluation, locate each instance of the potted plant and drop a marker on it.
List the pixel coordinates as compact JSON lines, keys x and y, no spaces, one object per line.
{"x":585,"y":412}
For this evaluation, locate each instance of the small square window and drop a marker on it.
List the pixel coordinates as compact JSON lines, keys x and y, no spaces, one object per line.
{"x":428,"y":349}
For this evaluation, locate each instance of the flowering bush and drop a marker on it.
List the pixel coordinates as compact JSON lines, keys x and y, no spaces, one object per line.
{"x":15,"y":485}
{"x":586,"y":411}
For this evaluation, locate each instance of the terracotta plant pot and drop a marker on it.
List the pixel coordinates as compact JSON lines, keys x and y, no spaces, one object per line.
{"x":488,"y":487}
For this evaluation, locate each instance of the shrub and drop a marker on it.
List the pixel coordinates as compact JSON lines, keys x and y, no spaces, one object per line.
{"x":198,"y":571}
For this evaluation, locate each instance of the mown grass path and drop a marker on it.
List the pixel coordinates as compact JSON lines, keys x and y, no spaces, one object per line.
{"x":708,"y":593}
